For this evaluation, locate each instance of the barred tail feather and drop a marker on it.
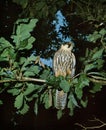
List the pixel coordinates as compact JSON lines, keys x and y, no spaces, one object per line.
{"x":61,"y":99}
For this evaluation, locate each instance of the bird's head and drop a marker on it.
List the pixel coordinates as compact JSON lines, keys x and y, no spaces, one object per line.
{"x":67,"y":46}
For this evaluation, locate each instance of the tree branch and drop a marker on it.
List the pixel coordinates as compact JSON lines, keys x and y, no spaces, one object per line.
{"x":103,"y":82}
{"x":23,"y":79}
{"x":26,"y":79}
{"x":92,"y":127}
{"x":33,"y":79}
{"x":94,"y":79}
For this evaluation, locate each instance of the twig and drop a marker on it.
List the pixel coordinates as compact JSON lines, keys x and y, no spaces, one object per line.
{"x":33,"y":79}
{"x":94,"y":79}
{"x":92,"y":127}
{"x":23,"y":79}
{"x":97,"y":79}
{"x":103,"y":82}
{"x":76,"y":76}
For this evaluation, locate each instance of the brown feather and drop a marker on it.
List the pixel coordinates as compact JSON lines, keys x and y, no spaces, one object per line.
{"x":63,"y":65}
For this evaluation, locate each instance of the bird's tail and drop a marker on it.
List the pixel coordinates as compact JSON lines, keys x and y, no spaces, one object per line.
{"x":61,"y":99}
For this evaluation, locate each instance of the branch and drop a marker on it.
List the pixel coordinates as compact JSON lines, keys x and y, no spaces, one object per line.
{"x":103,"y":82}
{"x":23,"y":79}
{"x":92,"y":127}
{"x":33,"y":79}
{"x":94,"y":79}
{"x":76,"y":75}
{"x":97,"y":79}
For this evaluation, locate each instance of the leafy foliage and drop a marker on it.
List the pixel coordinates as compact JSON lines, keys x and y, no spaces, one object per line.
{"x":1,"y":102}
{"x":27,"y":79}
{"x":40,"y":9}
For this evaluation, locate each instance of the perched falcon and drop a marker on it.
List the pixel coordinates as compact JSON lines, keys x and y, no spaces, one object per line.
{"x":63,"y":64}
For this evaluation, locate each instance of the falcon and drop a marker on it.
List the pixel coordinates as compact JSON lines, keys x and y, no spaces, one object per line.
{"x":64,"y":62}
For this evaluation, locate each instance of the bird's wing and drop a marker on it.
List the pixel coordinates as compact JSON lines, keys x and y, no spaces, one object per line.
{"x":73,"y":65}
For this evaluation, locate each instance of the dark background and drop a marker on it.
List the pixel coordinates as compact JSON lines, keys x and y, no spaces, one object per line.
{"x":46,"y":119}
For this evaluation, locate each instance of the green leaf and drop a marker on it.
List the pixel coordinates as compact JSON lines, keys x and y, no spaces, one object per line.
{"x":96,"y":88}
{"x":19,"y":101}
{"x":15,"y":65}
{"x":30,"y":88}
{"x":32,"y":58}
{"x":4,"y":59}
{"x":89,"y":67}
{"x":40,"y":5}
{"x":28,"y":61}
{"x":71,"y":106}
{"x":36,"y":107}
{"x":18,"y":85}
{"x":23,"y":3}
{"x":5,"y":44}
{"x":98,"y":54}
{"x":100,"y":63}
{"x":24,"y":109}
{"x":74,"y":81}
{"x":1,"y":102}
{"x":8,"y":53}
{"x":87,"y":52}
{"x":72,"y":97}
{"x":22,"y":38}
{"x":14,"y":91}
{"x":32,"y":71}
{"x":84,"y":103}
{"x":94,"y":37}
{"x":30,"y":41}
{"x":59,"y":114}
{"x":19,"y":21}
{"x":79,"y":92}
{"x":65,"y":85}
{"x":24,"y":29}
{"x":29,"y":73}
{"x":6,"y":84}
{"x":46,"y":101}
{"x":83,"y":81}
{"x":22,"y":60}
{"x":32,"y":96}
{"x":45,"y":74}
{"x":35,"y":69}
{"x":103,"y":31}
{"x":44,"y":98}
{"x":26,"y":43}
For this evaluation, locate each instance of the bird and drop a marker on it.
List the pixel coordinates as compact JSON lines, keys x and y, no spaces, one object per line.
{"x":64,"y":62}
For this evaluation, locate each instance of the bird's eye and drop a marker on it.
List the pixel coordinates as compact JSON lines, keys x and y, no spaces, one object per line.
{"x":69,"y":45}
